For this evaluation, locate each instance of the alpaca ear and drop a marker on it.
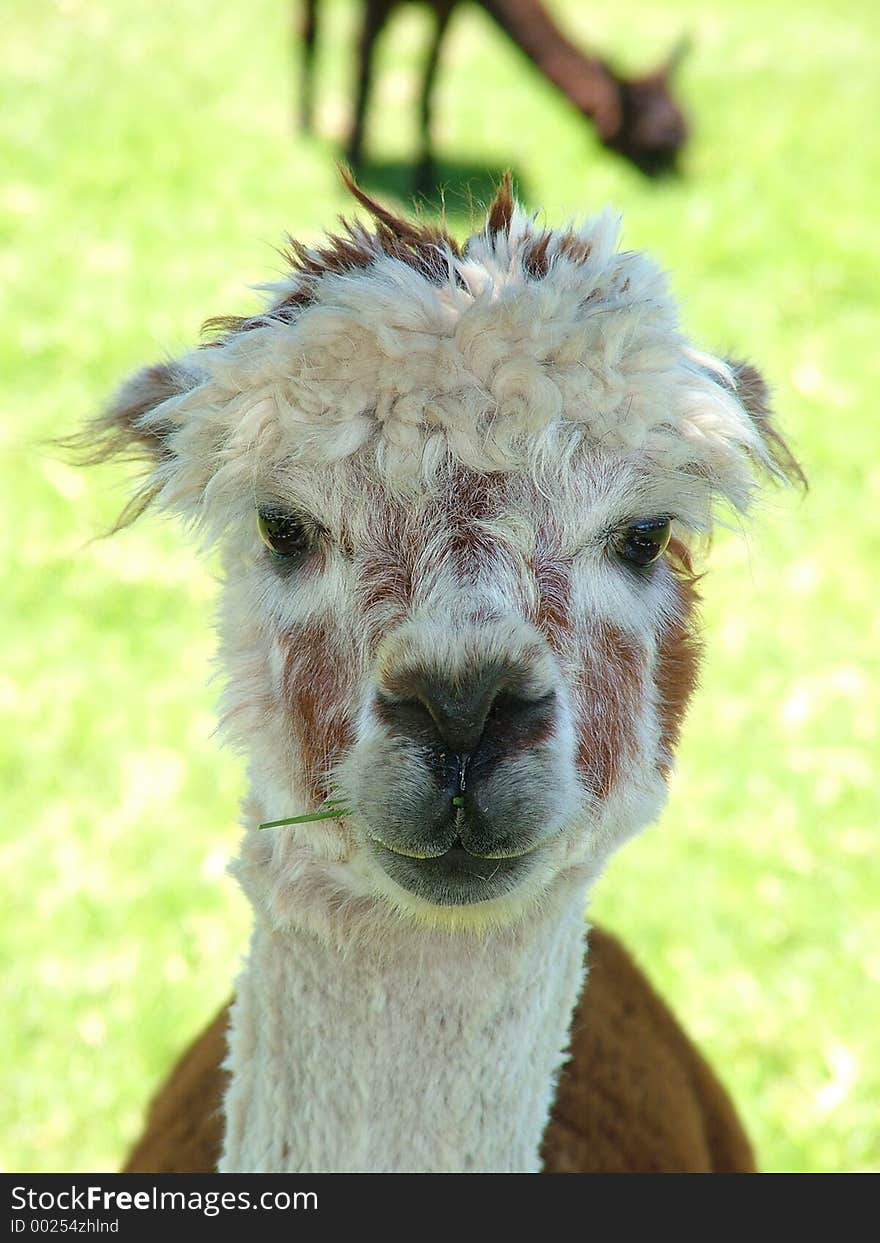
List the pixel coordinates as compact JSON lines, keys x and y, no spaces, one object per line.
{"x":138,"y":425}
{"x":126,"y":428}
{"x":753,"y":394}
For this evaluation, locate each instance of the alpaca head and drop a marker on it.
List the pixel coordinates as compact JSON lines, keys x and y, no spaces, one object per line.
{"x":651,"y":127}
{"x":455,"y":490}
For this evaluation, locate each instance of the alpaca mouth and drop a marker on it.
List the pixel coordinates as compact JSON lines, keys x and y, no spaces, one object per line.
{"x":455,"y":878}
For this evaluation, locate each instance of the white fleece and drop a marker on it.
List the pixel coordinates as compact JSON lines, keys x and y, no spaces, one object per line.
{"x":424,"y":1053}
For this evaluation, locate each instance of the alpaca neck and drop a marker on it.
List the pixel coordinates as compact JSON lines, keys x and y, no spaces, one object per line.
{"x":585,"y":80}
{"x":416,"y":1052}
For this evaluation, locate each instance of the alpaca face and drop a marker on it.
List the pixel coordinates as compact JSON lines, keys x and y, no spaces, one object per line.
{"x":455,"y":491}
{"x":489,"y":673}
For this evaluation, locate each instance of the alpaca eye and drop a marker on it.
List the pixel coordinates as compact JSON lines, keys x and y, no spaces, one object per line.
{"x":642,"y":543}
{"x":288,"y":534}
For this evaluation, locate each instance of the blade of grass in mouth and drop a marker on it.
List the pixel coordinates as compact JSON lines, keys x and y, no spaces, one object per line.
{"x":333,"y":809}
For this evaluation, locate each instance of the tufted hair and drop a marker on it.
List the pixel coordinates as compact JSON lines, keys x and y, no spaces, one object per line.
{"x":393,"y":349}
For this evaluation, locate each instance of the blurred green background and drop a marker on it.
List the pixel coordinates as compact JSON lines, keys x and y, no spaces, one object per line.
{"x":148,"y":168}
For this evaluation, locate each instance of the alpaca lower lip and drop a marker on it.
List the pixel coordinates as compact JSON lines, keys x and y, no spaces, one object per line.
{"x":456,"y":853}
{"x":455,"y":878}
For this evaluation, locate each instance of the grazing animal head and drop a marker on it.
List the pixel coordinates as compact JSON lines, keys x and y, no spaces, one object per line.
{"x":651,"y":128}
{"x":456,"y":490}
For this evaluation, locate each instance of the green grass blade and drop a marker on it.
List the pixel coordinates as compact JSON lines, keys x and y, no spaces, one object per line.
{"x":326,"y":813}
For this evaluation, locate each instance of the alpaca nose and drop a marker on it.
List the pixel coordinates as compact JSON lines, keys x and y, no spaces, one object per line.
{"x":458,"y":714}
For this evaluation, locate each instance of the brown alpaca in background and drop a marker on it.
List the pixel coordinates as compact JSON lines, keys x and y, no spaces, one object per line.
{"x":637,"y":117}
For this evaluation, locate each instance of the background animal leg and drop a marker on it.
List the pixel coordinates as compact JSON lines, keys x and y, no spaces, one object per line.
{"x":305,"y":37}
{"x":375,"y":13}
{"x":426,"y":170}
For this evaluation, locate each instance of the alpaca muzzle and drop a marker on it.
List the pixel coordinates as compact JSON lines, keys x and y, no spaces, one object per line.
{"x":461,"y":781}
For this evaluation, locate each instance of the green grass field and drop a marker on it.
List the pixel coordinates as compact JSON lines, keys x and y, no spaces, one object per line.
{"x":147,"y":169}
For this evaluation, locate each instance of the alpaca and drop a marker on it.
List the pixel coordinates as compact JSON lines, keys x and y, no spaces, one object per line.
{"x":637,"y":117}
{"x":634,"y":1097}
{"x":455,"y":489}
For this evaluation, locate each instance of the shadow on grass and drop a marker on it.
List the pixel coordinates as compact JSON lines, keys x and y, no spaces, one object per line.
{"x":461,"y":188}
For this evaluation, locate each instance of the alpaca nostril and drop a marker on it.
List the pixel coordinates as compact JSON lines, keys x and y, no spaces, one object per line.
{"x":491,"y":705}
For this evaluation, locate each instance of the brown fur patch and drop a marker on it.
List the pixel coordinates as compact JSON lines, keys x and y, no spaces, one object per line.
{"x":575,"y":248}
{"x":384,"y":582}
{"x":472,"y":551}
{"x":473,"y":500}
{"x":607,"y":704}
{"x":679,"y":557}
{"x":679,"y":652}
{"x":553,"y":614}
{"x":404,"y":232}
{"x":318,"y":694}
{"x":501,"y":208}
{"x":535,"y":262}
{"x":421,"y":246}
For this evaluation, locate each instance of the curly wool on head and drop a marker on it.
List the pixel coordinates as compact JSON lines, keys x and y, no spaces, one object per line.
{"x":390,"y":350}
